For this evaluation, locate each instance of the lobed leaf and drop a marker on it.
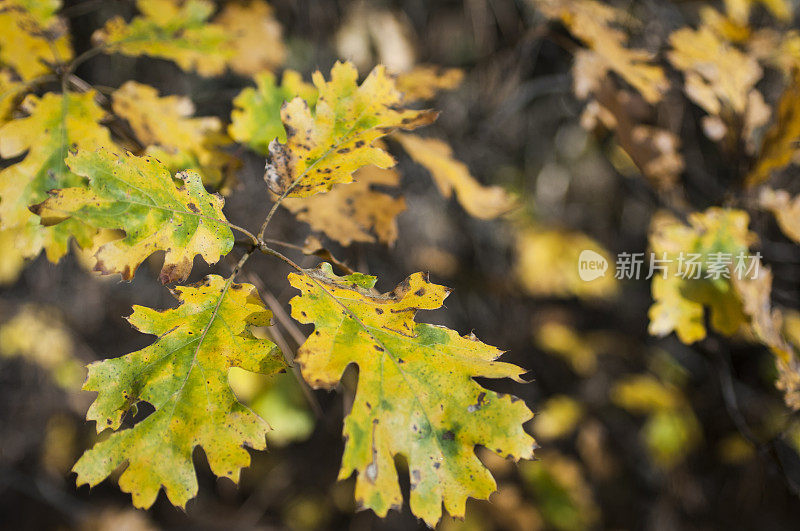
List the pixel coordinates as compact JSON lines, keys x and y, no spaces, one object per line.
{"x":326,"y":147}
{"x":139,"y":196}
{"x":256,"y":36}
{"x":184,"y":376}
{"x":416,"y":395}
{"x":55,"y":124}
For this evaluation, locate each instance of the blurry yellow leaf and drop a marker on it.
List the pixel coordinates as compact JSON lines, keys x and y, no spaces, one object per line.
{"x":547,"y":264}
{"x":54,"y":125}
{"x":645,"y":394}
{"x":670,"y":435}
{"x":780,"y":144}
{"x":735,"y":449}
{"x":564,"y":342}
{"x":591,"y":22}
{"x":173,"y":30}
{"x":423,"y":82}
{"x":451,"y":175}
{"x":12,"y":260}
{"x":557,"y":418}
{"x":717,"y":75}
{"x":739,"y":10}
{"x":786,"y":210}
{"x":32,"y":38}
{"x":256,"y":117}
{"x":326,"y":147}
{"x":682,"y":289}
{"x":39,"y":335}
{"x":256,"y":36}
{"x":165,"y":126}
{"x":373,"y":35}
{"x":10,"y":92}
{"x":354,"y":212}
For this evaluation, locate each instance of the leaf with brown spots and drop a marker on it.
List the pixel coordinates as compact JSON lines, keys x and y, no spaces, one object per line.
{"x":139,"y":196}
{"x":416,"y":395}
{"x":184,"y":376}
{"x":325,"y":147}
{"x":354,"y":212}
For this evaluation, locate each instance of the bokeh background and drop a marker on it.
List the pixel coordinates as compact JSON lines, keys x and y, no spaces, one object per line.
{"x":716,"y":451}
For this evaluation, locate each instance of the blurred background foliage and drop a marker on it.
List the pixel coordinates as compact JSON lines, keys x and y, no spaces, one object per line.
{"x":637,"y":432}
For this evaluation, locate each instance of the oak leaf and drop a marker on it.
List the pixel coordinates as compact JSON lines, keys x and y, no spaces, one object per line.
{"x":139,"y":196}
{"x":256,"y":117}
{"x":184,"y":376}
{"x":354,"y":212}
{"x":55,"y":124}
{"x":451,"y":175}
{"x":256,"y":37}
{"x":416,"y":392}
{"x":173,"y":30}
{"x":32,"y":38}
{"x":166,"y":127}
{"x":326,"y":147}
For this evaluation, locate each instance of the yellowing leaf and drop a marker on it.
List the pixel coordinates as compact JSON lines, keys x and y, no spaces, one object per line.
{"x":56,"y":123}
{"x":184,"y":376}
{"x":164,"y":125}
{"x":547,"y":264}
{"x":423,"y":81}
{"x":10,"y":92}
{"x":739,"y":10}
{"x":786,"y":210}
{"x":717,"y":75}
{"x":557,"y":418}
{"x":257,"y":37}
{"x":139,"y":196}
{"x":32,"y":38}
{"x":39,"y":335}
{"x":781,"y":140}
{"x":326,"y":147}
{"x":559,"y":339}
{"x":354,"y":212}
{"x":591,"y":22}
{"x":451,"y":175}
{"x":416,"y":392}
{"x":12,"y":260}
{"x":173,"y":30}
{"x":256,"y":117}
{"x":685,"y":287}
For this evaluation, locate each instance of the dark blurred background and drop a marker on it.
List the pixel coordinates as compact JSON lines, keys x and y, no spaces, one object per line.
{"x":515,"y":123}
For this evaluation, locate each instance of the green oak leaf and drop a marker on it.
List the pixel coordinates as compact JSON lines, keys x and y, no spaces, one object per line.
{"x":184,"y":376}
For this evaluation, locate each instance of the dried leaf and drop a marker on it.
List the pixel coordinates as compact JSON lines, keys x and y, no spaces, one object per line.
{"x":139,"y":196}
{"x":416,"y":393}
{"x":184,"y":376}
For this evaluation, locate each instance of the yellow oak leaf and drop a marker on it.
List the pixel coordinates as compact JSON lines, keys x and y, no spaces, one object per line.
{"x":174,"y":30}
{"x":780,"y":143}
{"x":32,"y":38}
{"x":591,"y":22}
{"x":547,"y":264}
{"x":325,"y":147}
{"x":54,"y":125}
{"x":786,"y":210}
{"x":717,"y":75}
{"x":354,"y":212}
{"x":157,"y":212}
{"x":184,"y":376}
{"x":423,"y":82}
{"x":451,"y":175}
{"x":256,"y":117}
{"x":686,"y":282}
{"x":256,"y":36}
{"x":416,"y":393}
{"x":166,"y":127}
